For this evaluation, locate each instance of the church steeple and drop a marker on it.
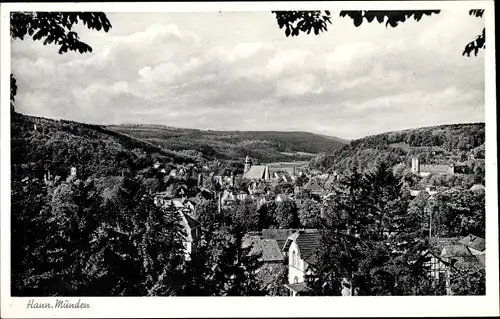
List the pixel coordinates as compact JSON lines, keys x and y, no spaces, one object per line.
{"x":248,"y":164}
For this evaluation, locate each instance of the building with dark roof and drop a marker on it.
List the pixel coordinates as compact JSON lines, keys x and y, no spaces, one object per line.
{"x":300,"y":248}
{"x":268,"y":249}
{"x":280,"y":235}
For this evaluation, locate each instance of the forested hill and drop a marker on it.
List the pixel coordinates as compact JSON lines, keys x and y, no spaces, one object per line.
{"x":442,"y":144}
{"x":93,"y":150}
{"x":266,"y":146}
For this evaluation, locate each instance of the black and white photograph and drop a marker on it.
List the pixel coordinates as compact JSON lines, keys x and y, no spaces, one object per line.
{"x":324,"y":151}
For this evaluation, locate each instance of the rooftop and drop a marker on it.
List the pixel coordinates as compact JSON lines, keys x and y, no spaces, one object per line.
{"x":474,"y":242}
{"x":268,"y":247}
{"x":300,"y":287}
{"x":437,"y":244}
{"x":280,"y":235}
{"x":255,"y":172}
{"x":308,"y":242}
{"x":435,"y":168}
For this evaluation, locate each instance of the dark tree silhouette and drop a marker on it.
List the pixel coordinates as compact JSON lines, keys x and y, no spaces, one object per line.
{"x":295,"y":22}
{"x":54,"y":28}
{"x":480,"y":42}
{"x":302,"y":21}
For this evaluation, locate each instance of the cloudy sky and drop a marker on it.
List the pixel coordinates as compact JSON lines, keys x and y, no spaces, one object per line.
{"x":237,"y":70}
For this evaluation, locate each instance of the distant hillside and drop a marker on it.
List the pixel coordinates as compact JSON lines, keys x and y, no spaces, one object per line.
{"x":94,"y":150}
{"x":266,"y":146}
{"x":438,"y":144}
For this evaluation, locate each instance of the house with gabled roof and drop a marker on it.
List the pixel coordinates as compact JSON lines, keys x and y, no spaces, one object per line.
{"x":300,"y":249}
{"x":315,"y":188}
{"x":192,"y":229}
{"x":434,"y":263}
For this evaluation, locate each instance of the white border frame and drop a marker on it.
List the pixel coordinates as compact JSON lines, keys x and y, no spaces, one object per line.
{"x":128,"y":307}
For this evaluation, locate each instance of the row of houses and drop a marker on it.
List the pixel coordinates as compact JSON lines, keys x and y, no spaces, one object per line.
{"x":297,"y":249}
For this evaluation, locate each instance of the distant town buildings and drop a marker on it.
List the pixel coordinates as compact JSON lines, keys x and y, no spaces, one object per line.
{"x":255,"y":172}
{"x":426,"y":170}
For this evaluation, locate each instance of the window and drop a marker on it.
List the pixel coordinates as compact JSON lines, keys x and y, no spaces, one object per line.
{"x":296,"y":280}
{"x":294,"y":258}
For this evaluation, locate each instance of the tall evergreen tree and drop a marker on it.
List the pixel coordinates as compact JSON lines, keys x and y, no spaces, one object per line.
{"x":371,"y":242}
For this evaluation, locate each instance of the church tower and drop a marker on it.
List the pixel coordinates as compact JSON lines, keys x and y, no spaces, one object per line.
{"x":248,"y":164}
{"x":415,"y":165}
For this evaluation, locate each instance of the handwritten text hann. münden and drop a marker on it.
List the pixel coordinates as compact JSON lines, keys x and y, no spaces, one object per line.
{"x":64,"y":304}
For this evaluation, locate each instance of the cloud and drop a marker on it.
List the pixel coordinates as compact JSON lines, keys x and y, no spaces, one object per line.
{"x":349,"y":82}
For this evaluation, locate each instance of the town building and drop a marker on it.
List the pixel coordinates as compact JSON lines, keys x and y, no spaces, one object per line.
{"x":435,"y":265}
{"x":426,"y":170}
{"x":192,"y":229}
{"x":300,"y":249}
{"x":255,"y":172}
{"x":314,"y":188}
{"x":185,"y":208}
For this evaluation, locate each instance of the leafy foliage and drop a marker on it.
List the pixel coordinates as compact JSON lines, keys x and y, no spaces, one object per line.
{"x":470,"y":281}
{"x":391,"y":18}
{"x":309,"y":212}
{"x":77,"y":242}
{"x":13,"y":92}
{"x":287,"y":214}
{"x":478,"y":43}
{"x":457,"y":213}
{"x":56,"y":28}
{"x":370,"y":240}
{"x":295,"y":22}
{"x":220,"y":266}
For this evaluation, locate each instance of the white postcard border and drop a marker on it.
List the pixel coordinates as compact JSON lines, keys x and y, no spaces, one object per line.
{"x":128,"y":307}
